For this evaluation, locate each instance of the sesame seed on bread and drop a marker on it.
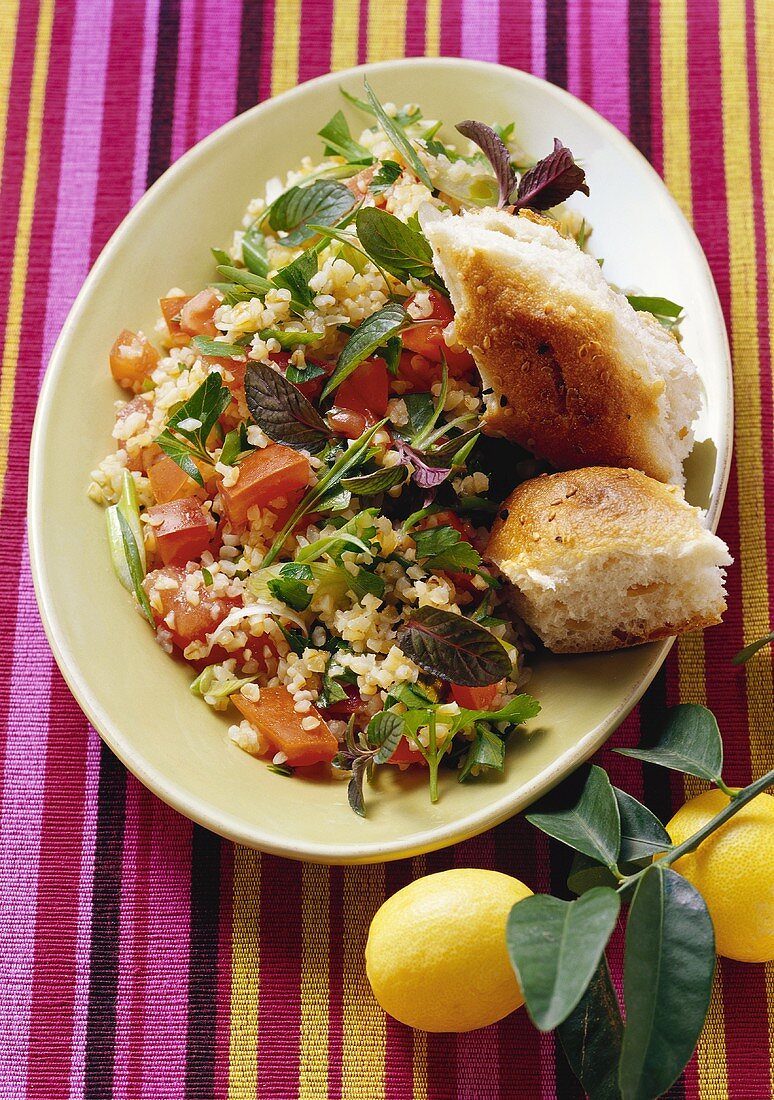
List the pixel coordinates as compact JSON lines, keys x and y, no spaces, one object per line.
{"x":574,"y":373}
{"x":603,"y":558}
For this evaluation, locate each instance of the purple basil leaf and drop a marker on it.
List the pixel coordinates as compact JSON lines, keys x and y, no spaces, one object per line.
{"x":425,"y":475}
{"x":495,"y":152}
{"x":552,"y":180}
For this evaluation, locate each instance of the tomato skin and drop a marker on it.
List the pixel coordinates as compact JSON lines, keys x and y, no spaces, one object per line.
{"x":265,"y":475}
{"x":274,"y":715}
{"x":191,"y":622}
{"x":132,"y":360}
{"x":476,"y":698}
{"x":182,"y":533}
{"x":406,"y":754}
{"x":348,"y":423}
{"x":366,"y":391}
{"x":427,"y":338}
{"x":170,"y":310}
{"x":196,"y":315}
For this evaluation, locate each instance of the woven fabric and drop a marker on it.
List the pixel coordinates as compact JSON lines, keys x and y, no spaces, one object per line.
{"x":140,"y":956}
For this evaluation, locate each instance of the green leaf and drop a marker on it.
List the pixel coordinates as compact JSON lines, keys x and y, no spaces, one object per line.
{"x":203,"y":408}
{"x":377,"y":482}
{"x":443,"y":548}
{"x":453,"y":647}
{"x":591,"y":1037}
{"x":365,"y":583}
{"x":207,"y":346}
{"x":295,"y":278}
{"x":258,"y":285}
{"x":367,"y":337}
{"x":235,"y":446}
{"x":324,"y":202}
{"x":180,"y":452}
{"x":690,"y":742}
{"x":386,"y":174}
{"x":591,"y":824}
{"x":254,"y":254}
{"x":751,"y":649}
{"x":339,"y":141}
{"x":398,"y":138}
{"x":307,"y":373}
{"x":384,"y":732}
{"x":662,"y":309}
{"x":555,"y":947}
{"x":288,"y":339}
{"x":642,"y":834}
{"x":282,"y":411}
{"x":291,"y":586}
{"x":487,"y":750}
{"x":668,"y":966}
{"x":403,"y":118}
{"x":126,"y":557}
{"x":393,"y":245}
{"x":585,"y":873}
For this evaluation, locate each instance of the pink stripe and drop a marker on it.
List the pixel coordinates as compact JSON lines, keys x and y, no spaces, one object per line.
{"x":515,"y":33}
{"x":21,"y":813}
{"x":480,"y":29}
{"x":83,"y":938}
{"x":267,"y":49}
{"x":314,"y":54}
{"x":145,"y":98}
{"x":579,"y":66}
{"x":218,"y":71}
{"x":610,"y":61}
{"x":187,"y":60}
{"x":656,"y":125}
{"x":416,"y":17}
{"x":538,"y":28}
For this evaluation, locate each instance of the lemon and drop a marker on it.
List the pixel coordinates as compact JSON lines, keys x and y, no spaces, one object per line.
{"x":436,"y":956}
{"x":733,"y":869}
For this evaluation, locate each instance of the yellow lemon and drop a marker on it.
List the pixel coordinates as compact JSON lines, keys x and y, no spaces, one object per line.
{"x":733,"y":869}
{"x":436,"y":956}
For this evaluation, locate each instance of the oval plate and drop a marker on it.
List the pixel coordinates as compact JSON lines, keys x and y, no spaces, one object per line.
{"x":136,"y":697}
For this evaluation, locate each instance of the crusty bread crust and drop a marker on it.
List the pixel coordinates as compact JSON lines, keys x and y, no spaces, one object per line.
{"x":550,"y":354}
{"x":550,"y":529}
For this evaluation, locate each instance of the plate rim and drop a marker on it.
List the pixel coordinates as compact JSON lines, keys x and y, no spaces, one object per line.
{"x":167,"y":789}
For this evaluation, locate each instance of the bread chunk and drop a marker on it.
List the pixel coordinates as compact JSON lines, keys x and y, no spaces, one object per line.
{"x":602,"y":558}
{"x":572,"y":371}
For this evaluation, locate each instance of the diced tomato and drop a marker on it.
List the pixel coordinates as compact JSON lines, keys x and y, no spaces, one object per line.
{"x":191,"y":622}
{"x":476,"y":698}
{"x":137,"y":404}
{"x":274,"y":715}
{"x":196,"y":316}
{"x":366,"y":390}
{"x":360,"y":183}
{"x":181,"y":531}
{"x":132,"y":359}
{"x":168,"y":482}
{"x":427,"y":338}
{"x":314,"y":387}
{"x":418,"y":372}
{"x":348,"y":423}
{"x":235,"y":368}
{"x":345,"y":707}
{"x":170,"y":311}
{"x":148,"y":455}
{"x":265,"y":475}
{"x":405,"y":753}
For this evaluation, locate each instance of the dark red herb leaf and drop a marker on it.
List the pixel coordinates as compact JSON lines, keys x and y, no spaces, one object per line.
{"x":552,"y":180}
{"x":453,"y":648}
{"x":495,"y":151}
{"x":282,"y":411}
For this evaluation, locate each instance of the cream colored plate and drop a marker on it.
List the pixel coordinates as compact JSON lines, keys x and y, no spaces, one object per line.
{"x":134,"y":694}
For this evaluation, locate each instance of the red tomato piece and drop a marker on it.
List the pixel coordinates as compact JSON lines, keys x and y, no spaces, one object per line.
{"x":132,"y":360}
{"x":427,"y":338}
{"x":405,"y":753}
{"x":418,"y":372}
{"x":170,"y":310}
{"x":274,"y":715}
{"x":196,"y":315}
{"x":191,"y":622}
{"x":168,"y":482}
{"x":265,"y":475}
{"x":348,"y":423}
{"x":366,"y":391}
{"x":476,"y":698}
{"x":181,"y":531}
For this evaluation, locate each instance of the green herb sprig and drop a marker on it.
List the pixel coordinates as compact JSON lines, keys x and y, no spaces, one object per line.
{"x":624,"y":854}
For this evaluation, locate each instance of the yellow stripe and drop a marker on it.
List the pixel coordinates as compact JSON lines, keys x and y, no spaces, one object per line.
{"x":764,"y":28}
{"x":24,"y":229}
{"x":245,"y":962}
{"x":433,"y":28}
{"x":315,"y":961}
{"x":346,"y":24}
{"x":744,"y":320}
{"x":9,"y":16}
{"x":287,"y":33}
{"x":711,"y":1048}
{"x":386,"y":29}
{"x":363,"y":1021}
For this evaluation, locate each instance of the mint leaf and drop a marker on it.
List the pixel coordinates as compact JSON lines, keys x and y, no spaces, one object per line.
{"x":377,"y":482}
{"x":254,"y":254}
{"x":324,"y":202}
{"x":295,"y":278}
{"x":207,"y":346}
{"x":385,"y":175}
{"x":364,"y":341}
{"x":394,"y":245}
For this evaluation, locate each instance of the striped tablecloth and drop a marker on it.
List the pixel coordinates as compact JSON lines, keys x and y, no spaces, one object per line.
{"x":141,"y":956}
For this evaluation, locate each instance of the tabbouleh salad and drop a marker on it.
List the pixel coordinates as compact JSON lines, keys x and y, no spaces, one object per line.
{"x":301,"y":489}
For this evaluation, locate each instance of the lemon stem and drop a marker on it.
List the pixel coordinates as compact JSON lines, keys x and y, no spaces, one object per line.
{"x":745,"y":795}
